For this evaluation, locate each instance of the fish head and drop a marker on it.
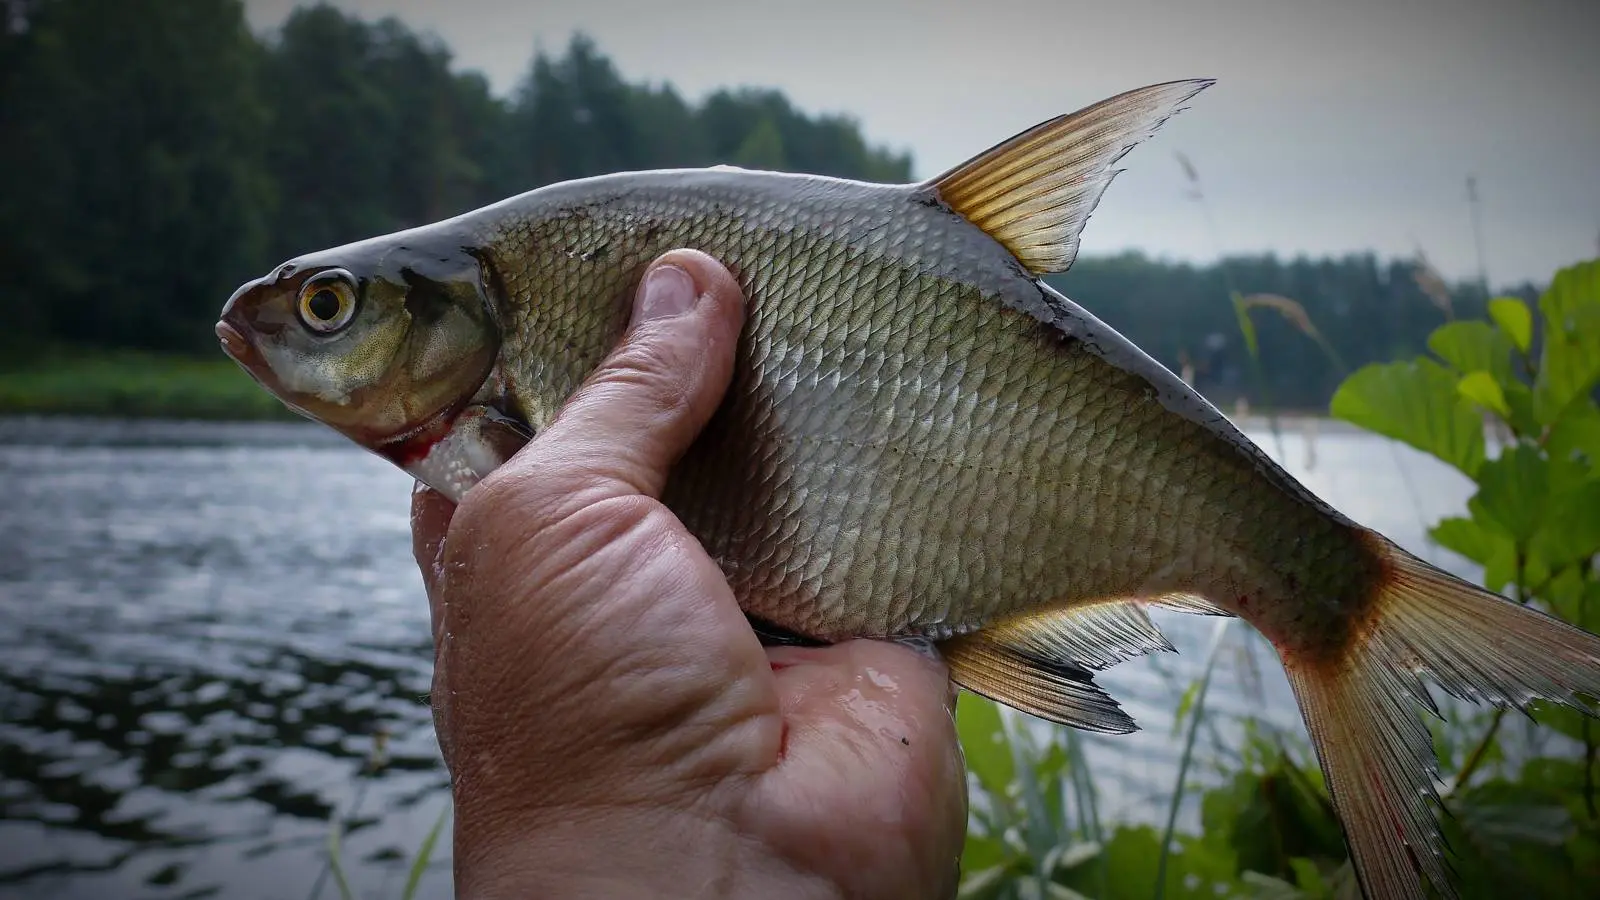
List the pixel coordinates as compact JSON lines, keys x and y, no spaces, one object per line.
{"x":384,"y":341}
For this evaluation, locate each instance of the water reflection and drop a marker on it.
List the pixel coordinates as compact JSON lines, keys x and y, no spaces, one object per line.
{"x":205,"y":628}
{"x":204,"y":631}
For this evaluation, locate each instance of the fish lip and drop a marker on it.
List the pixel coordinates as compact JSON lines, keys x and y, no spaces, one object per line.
{"x":233,"y":343}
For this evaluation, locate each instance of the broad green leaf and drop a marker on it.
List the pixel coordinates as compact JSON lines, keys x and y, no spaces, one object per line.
{"x":1514,"y":319}
{"x":1308,"y":878}
{"x":1569,"y":722}
{"x":1576,"y":434}
{"x":1501,"y":567}
{"x":984,"y":742}
{"x":1471,"y":539}
{"x":1570,"y":531}
{"x":982,"y":852}
{"x":1570,"y":363}
{"x":1473,"y":346}
{"x":1519,"y":398}
{"x":1509,"y":841}
{"x":1578,"y":603}
{"x":1481,"y":388}
{"x":1513,"y":489}
{"x":1415,"y":402}
{"x":1563,"y":778}
{"x":1048,"y":768}
{"x":1130,"y":871}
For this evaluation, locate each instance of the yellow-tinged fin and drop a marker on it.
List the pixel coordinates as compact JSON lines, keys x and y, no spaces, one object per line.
{"x":1041,"y":664}
{"x":1194,"y":604}
{"x":1034,"y":192}
{"x":1375,"y":751}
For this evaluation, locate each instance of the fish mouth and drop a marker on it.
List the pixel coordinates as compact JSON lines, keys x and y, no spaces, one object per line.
{"x":240,"y":350}
{"x":233,"y":343}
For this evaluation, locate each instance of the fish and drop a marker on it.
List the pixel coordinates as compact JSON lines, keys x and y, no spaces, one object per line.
{"x":924,"y":440}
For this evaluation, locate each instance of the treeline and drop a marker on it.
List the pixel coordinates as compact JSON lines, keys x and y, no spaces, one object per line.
{"x":155,"y":155}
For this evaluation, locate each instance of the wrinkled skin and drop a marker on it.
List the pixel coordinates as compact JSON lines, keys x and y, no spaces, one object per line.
{"x":612,"y":725}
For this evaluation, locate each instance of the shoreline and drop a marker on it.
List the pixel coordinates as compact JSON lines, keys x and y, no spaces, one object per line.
{"x":131,"y":385}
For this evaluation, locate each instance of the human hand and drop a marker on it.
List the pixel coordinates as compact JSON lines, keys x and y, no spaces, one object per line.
{"x":612,"y":725}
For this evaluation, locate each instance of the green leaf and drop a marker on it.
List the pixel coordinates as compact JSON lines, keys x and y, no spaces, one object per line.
{"x":981,"y":852}
{"x":1514,"y":319}
{"x":1048,"y":768}
{"x":1468,"y":538}
{"x":1308,"y":877}
{"x":1513,"y":490}
{"x":1415,"y":402}
{"x":1576,"y":434}
{"x":1570,"y":363}
{"x":1185,"y":703}
{"x":984,"y":742}
{"x":1473,"y":346}
{"x":1241,"y":311}
{"x":1570,"y":531}
{"x":1482,"y":389}
{"x":1519,"y":399}
{"x":1129,"y":872}
{"x":1509,"y":841}
{"x":1563,"y":778}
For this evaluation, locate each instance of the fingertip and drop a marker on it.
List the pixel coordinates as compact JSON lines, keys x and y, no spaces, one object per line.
{"x":712,"y":280}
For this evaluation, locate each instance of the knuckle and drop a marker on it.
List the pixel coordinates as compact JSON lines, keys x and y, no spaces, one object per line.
{"x":651,"y":372}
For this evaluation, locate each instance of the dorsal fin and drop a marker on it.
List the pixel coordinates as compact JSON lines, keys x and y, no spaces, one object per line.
{"x":1034,"y":192}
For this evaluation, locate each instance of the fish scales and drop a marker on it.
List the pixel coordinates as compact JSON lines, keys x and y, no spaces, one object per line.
{"x":905,"y":450}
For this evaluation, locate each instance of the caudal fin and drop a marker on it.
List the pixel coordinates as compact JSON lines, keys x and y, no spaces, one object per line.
{"x":1376,"y":752}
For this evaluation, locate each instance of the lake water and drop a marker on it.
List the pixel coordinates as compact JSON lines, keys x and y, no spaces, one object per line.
{"x":205,"y":629}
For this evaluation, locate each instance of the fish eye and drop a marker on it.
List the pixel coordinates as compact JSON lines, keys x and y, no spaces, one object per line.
{"x":328,"y":302}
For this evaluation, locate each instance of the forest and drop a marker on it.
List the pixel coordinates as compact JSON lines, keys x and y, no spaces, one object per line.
{"x":157,"y":155}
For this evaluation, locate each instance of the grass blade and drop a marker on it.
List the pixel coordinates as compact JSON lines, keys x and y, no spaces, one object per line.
{"x":334,"y":862}
{"x":1198,"y":713}
{"x":424,"y":853}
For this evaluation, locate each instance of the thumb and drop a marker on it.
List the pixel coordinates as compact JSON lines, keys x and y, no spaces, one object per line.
{"x":638,"y":412}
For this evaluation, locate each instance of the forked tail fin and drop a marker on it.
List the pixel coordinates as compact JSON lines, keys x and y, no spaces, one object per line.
{"x":1375,"y":751}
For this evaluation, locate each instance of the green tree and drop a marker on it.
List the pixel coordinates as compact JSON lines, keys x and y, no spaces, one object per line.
{"x":132,"y":190}
{"x":762,"y":148}
{"x":372,"y":131}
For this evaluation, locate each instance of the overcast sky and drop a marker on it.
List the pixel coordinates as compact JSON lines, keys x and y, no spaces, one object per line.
{"x":1334,"y":126}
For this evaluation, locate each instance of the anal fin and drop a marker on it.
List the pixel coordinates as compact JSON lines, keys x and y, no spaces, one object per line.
{"x":1042,"y":665}
{"x":1056,"y":690}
